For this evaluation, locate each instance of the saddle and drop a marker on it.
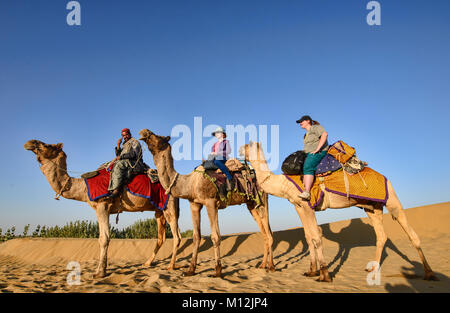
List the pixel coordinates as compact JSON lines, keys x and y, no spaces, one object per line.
{"x":244,"y":176}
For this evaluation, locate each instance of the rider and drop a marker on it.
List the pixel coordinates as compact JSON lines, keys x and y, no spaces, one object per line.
{"x":128,"y":161}
{"x":316,"y":147}
{"x":220,"y":151}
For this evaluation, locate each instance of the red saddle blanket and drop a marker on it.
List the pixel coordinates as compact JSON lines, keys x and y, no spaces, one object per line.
{"x":140,"y":186}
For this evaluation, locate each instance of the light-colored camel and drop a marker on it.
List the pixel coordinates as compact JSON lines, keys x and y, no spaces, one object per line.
{"x":200,"y":191}
{"x":280,"y":186}
{"x":52,"y":160}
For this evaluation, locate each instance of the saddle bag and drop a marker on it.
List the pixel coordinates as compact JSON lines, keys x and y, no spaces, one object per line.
{"x":341,"y":151}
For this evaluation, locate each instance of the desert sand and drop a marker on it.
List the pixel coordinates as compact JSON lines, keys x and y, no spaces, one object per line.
{"x":39,"y":265}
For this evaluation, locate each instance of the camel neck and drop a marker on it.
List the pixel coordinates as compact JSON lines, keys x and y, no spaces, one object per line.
{"x":56,"y":173}
{"x":267,"y":180}
{"x":167,"y":173}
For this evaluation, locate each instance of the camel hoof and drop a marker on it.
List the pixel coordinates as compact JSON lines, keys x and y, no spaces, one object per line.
{"x":171,"y":268}
{"x":311,"y":274}
{"x":324,"y":275}
{"x":99,"y":275}
{"x":271,"y":268}
{"x":147,"y":264}
{"x":325,"y":280}
{"x":188,"y":273}
{"x":430,"y":276}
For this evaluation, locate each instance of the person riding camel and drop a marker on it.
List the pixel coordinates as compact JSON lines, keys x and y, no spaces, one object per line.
{"x":219,"y":153}
{"x":128,"y":161}
{"x":316,"y":147}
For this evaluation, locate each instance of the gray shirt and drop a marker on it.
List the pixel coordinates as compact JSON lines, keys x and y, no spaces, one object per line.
{"x":132,"y":151}
{"x":312,"y":138}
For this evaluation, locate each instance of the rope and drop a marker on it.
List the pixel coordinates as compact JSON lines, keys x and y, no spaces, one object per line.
{"x":172,"y":183}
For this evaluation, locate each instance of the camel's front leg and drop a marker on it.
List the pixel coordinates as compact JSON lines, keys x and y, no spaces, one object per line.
{"x":196,"y":236}
{"x":103,"y":224}
{"x":161,"y":223}
{"x":264,"y":227}
{"x":314,"y":240}
{"x":215,"y":233}
{"x":172,"y":219}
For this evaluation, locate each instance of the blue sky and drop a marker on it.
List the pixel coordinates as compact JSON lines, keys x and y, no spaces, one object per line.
{"x":156,"y":64}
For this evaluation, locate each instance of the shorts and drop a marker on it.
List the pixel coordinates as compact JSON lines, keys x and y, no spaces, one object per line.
{"x":311,"y":162}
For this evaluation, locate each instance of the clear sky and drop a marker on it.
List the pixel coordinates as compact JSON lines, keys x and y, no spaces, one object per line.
{"x":156,"y":64}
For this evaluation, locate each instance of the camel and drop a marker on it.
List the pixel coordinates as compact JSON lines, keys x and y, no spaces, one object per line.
{"x":200,"y":192}
{"x":52,"y":160}
{"x":280,"y":186}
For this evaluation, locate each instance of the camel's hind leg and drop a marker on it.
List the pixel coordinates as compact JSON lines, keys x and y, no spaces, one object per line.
{"x":161,"y":222}
{"x":264,"y":227}
{"x":376,"y":216}
{"x":394,"y":206}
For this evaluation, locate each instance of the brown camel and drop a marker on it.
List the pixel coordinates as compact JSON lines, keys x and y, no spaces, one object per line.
{"x":52,"y":160}
{"x":200,"y":192}
{"x":280,"y":186}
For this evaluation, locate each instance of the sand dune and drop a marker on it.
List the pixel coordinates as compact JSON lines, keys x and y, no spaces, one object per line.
{"x":39,"y":265}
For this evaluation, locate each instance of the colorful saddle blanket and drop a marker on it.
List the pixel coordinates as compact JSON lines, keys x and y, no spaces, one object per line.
{"x":140,"y":186}
{"x":327,"y":165}
{"x":368,"y":184}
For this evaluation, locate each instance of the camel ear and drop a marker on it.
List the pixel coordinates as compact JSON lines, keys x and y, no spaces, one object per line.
{"x":59,"y":146}
{"x":167,"y":138}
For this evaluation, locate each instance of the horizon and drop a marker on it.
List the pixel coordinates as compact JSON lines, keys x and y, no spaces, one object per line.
{"x":382,"y":89}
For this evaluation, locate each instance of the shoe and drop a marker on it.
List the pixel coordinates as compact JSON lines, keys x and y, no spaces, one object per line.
{"x":115,"y":193}
{"x":305,"y":195}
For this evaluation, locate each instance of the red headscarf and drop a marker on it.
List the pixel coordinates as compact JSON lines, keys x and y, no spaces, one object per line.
{"x":126,"y":130}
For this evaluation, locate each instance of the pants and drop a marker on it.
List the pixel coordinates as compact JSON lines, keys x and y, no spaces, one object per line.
{"x":120,"y":174}
{"x":311,"y":162}
{"x":221,"y":165}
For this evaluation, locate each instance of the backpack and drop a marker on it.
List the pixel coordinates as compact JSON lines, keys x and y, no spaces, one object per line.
{"x":293,"y":164}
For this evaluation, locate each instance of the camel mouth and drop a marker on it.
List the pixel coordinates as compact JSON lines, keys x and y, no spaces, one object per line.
{"x":145,"y":134}
{"x":29,"y":146}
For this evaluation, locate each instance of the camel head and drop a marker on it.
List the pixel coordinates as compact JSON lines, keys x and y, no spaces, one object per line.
{"x":44,"y":151}
{"x":154,"y":142}
{"x":251,"y":151}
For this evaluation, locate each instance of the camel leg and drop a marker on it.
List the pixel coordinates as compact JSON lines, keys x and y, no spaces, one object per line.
{"x":309,"y":222}
{"x":161,"y":222}
{"x":173,"y":222}
{"x":394,"y":207}
{"x":103,"y":240}
{"x":313,"y":269}
{"x":215,"y":233}
{"x":196,"y":236}
{"x":376,"y":216}
{"x":266,"y":232}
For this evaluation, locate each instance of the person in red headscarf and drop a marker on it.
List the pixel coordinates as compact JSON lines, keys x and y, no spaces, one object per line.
{"x":128,"y":161}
